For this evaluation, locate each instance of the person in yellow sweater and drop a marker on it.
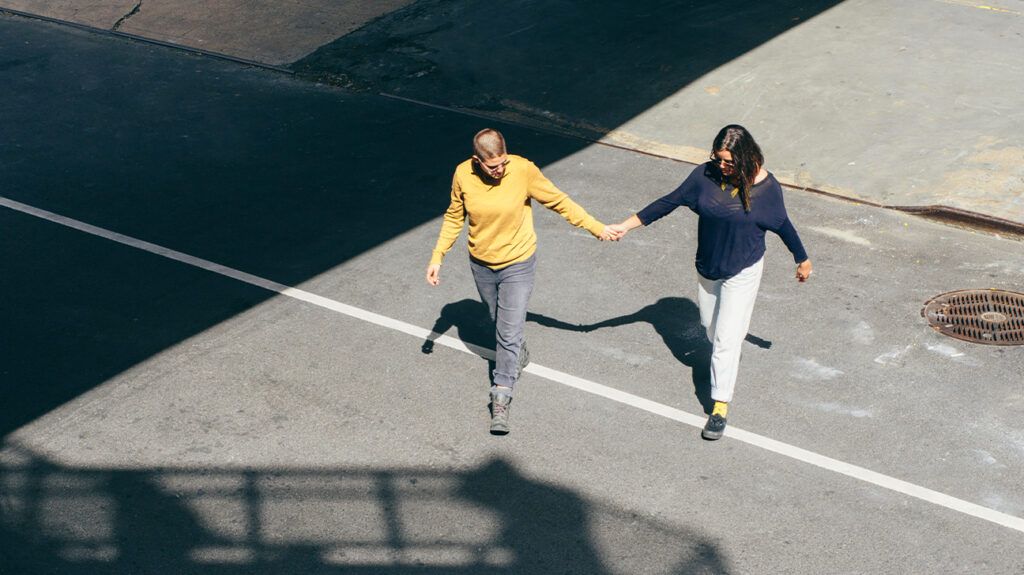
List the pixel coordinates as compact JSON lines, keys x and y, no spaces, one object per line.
{"x":493,"y":190}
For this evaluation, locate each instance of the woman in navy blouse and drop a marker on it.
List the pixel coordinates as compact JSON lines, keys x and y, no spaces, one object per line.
{"x":737,"y":201}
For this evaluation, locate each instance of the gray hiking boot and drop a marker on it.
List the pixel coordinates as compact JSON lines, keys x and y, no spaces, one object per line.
{"x":500,"y":403}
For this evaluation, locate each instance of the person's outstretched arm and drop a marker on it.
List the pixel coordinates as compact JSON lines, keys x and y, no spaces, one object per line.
{"x":454,"y":219}
{"x":549,"y":196}
{"x":792,"y":240}
{"x":685,"y":195}
{"x":783,"y":227}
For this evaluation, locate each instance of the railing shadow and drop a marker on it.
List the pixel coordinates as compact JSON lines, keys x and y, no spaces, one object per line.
{"x":55,"y":519}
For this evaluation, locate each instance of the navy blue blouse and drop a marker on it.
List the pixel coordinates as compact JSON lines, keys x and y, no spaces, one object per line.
{"x":728,"y":239}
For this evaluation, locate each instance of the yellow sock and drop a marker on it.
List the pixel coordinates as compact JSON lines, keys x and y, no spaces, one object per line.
{"x":721,"y":408}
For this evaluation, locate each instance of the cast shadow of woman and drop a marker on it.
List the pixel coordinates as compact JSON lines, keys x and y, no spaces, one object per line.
{"x":472,"y":324}
{"x":677,"y":321}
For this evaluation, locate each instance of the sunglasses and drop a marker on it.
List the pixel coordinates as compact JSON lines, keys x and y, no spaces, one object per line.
{"x":719,"y":161}
{"x":493,"y":168}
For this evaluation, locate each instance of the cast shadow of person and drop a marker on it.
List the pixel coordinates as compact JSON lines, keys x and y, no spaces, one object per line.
{"x":155,"y":531}
{"x":545,"y":527}
{"x":548,"y":528}
{"x":473,"y":326}
{"x":677,"y":321}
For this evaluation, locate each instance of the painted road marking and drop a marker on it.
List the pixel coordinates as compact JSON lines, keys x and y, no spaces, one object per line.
{"x":784,"y":449}
{"x":970,"y":4}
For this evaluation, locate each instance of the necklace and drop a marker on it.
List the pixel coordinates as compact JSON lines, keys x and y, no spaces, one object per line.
{"x":734,"y":191}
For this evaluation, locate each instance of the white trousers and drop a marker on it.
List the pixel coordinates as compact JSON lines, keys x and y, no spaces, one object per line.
{"x":725,"y":310}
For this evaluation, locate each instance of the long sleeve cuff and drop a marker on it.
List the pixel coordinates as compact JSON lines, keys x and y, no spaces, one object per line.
{"x":595,"y":227}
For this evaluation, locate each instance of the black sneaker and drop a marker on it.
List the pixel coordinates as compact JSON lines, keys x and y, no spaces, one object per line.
{"x":524,"y":359}
{"x":500,"y":403}
{"x":714,"y":428}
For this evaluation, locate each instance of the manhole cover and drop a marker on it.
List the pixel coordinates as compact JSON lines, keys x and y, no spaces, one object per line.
{"x":991,"y":316}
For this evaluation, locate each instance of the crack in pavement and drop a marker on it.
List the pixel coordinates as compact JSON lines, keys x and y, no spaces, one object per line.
{"x":125,"y":18}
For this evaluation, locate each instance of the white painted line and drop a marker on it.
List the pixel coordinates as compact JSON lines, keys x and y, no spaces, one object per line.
{"x":793,"y":452}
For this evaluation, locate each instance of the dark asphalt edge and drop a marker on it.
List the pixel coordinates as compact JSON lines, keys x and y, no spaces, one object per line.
{"x":966,"y":219}
{"x":143,"y":39}
{"x":957,"y":217}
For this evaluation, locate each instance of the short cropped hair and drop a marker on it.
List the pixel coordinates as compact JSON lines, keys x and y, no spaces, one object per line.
{"x":488,"y":143}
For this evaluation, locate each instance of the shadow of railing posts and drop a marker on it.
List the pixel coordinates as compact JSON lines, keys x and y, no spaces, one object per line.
{"x":491,"y":519}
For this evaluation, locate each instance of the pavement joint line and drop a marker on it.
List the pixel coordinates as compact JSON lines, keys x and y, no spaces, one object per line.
{"x":553,"y":375}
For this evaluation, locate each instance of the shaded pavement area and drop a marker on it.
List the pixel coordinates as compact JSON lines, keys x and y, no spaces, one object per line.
{"x":162,"y":418}
{"x":907,"y":105}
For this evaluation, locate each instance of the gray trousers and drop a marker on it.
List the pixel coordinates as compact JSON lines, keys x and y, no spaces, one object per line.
{"x":507,"y":294}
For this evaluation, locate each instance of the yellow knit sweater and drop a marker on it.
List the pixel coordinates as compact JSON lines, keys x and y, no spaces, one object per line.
{"x":500,"y":217}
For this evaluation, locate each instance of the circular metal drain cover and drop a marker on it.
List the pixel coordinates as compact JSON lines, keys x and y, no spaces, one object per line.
{"x":991,"y":316}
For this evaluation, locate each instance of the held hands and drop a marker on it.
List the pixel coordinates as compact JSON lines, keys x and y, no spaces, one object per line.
{"x":612,"y":233}
{"x":616,"y":232}
{"x":434,"y":274}
{"x":803,"y":271}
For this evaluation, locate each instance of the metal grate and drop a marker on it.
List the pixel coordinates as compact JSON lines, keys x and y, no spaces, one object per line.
{"x":990,"y":316}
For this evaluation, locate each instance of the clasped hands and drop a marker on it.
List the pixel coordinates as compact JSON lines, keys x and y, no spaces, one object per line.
{"x":613,"y":233}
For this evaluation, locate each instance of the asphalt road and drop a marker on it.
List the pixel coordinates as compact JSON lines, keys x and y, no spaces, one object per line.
{"x":900,"y":104}
{"x":164,"y":418}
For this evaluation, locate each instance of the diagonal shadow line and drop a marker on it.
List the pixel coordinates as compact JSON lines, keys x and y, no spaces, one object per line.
{"x":274,"y":175}
{"x":612,"y":61}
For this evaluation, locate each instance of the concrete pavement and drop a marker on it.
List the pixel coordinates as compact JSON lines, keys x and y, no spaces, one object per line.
{"x":909,"y":104}
{"x":164,"y":418}
{"x":269,"y":32}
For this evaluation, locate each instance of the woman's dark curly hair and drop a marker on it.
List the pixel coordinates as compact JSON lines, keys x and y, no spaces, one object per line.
{"x":746,"y":155}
